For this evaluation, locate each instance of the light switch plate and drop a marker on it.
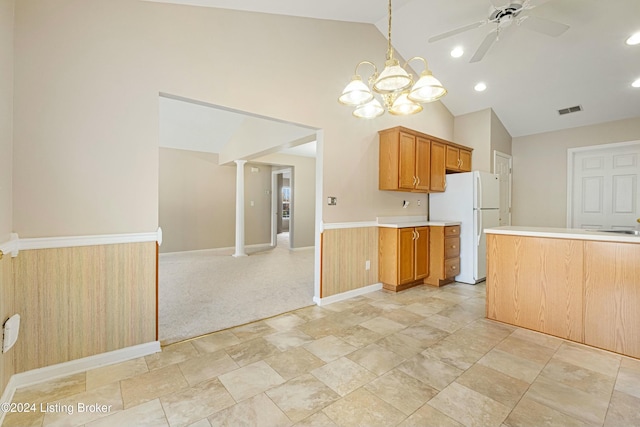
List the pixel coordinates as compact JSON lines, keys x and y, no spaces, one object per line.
{"x":332,"y":201}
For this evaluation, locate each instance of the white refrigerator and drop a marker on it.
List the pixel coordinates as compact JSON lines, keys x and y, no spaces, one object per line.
{"x":473,"y":199}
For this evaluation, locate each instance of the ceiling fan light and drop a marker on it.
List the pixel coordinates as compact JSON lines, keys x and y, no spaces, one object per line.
{"x":634,"y":39}
{"x":393,"y":78}
{"x":427,"y":89}
{"x":355,"y":93}
{"x":403,"y":106}
{"x":370,"y":110}
{"x":636,"y":83}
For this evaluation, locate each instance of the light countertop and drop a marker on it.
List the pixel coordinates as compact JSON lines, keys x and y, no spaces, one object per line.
{"x":564,"y":233}
{"x":411,"y":221}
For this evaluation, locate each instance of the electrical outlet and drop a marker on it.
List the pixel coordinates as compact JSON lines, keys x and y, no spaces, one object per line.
{"x":367,"y":265}
{"x":419,"y":202}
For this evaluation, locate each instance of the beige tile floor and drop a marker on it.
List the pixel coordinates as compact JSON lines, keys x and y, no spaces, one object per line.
{"x":423,"y":357}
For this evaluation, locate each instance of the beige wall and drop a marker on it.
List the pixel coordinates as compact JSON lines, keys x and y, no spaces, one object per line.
{"x":500,"y":138}
{"x":86,"y":136}
{"x":6,"y":156}
{"x":304,"y":196}
{"x":540,"y":169}
{"x":484,"y":132}
{"x":6,"y":117}
{"x":474,"y":130}
{"x":198,"y":202}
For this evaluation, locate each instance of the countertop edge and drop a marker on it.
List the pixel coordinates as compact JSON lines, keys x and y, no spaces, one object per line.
{"x":419,"y":224}
{"x":563,"y":233}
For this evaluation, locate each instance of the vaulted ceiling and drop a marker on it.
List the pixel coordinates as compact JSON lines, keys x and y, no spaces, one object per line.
{"x":529,"y":75}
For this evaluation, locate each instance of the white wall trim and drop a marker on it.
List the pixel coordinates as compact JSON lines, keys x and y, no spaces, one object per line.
{"x":340,"y":225}
{"x":59,"y":370}
{"x":11,"y":246}
{"x":349,"y":294}
{"x":96,"y":240}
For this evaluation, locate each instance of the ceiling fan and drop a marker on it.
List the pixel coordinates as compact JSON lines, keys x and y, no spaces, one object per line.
{"x":503,"y":16}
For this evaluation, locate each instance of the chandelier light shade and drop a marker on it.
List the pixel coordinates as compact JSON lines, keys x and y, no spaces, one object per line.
{"x":395,"y":87}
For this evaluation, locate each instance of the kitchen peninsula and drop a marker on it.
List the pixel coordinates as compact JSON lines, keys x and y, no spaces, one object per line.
{"x":580,"y":285}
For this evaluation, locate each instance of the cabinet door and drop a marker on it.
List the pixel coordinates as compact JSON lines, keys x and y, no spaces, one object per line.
{"x":422,"y":253}
{"x":465,"y":160}
{"x":438,"y":154}
{"x":407,"y":160}
{"x":453,"y":158}
{"x":423,"y":164}
{"x":406,"y":253}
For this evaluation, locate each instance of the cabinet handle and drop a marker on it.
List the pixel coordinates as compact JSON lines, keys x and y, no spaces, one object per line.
{"x":453,"y":267}
{"x":418,"y":178}
{"x":417,"y":234}
{"x":414,"y":181}
{"x":459,"y":162}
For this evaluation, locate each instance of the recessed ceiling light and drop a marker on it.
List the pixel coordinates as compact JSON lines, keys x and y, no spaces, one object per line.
{"x":480,"y":87}
{"x":457,"y":52}
{"x":634,"y":39}
{"x":636,"y":83}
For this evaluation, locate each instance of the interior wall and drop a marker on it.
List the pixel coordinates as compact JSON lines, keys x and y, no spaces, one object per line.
{"x":257,"y":204}
{"x":6,"y":117}
{"x":540,"y":168}
{"x":302,"y":234}
{"x":500,"y":138}
{"x":198,"y":202}
{"x":6,"y":171}
{"x":86,"y":161}
{"x":474,"y":130}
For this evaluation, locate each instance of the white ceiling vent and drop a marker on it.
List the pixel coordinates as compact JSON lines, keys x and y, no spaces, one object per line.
{"x":570,"y":110}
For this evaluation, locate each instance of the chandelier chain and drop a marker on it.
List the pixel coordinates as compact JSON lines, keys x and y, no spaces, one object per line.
{"x":389,"y":51}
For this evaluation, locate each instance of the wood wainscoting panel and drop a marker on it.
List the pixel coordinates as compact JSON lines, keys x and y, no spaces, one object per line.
{"x":6,"y":310}
{"x":612,"y":296}
{"x":344,"y":254}
{"x":536,"y":283}
{"x":81,"y":301}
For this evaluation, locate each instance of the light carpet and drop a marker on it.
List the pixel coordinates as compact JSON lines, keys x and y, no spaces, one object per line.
{"x":207,"y":291}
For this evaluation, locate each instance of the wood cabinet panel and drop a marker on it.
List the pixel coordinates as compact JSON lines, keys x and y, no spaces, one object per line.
{"x":536,"y":283}
{"x":417,"y":162}
{"x":403,"y":256}
{"x":612,"y":296}
{"x":465,"y":160}
{"x":406,"y":255}
{"x":423,"y":164}
{"x":438,"y":169}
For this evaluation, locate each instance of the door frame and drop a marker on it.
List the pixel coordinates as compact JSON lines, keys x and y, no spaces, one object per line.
{"x":275,"y":209}
{"x":509,"y":157}
{"x":571,"y":153}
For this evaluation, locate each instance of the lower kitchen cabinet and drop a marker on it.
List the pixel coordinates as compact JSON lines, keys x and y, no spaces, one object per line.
{"x":444,"y":254}
{"x":403,"y":257}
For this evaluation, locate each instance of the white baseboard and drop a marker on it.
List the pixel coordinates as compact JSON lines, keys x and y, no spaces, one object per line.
{"x":59,"y":370}
{"x":349,"y":294}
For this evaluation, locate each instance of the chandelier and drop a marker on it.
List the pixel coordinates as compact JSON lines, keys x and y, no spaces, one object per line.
{"x":394,"y":86}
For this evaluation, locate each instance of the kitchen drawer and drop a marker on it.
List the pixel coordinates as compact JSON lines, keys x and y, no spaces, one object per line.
{"x":452,"y":231}
{"x":451,"y":247}
{"x":451,"y":267}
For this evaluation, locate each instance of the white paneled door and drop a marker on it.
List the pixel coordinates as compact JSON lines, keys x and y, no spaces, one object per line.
{"x":604,"y":187}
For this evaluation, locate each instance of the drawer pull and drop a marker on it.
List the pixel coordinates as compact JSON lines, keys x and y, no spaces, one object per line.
{"x":453,"y":267}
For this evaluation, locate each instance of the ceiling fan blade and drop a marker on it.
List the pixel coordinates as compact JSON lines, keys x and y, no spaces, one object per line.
{"x":457,"y":31}
{"x":544,"y":26}
{"x":486,"y":44}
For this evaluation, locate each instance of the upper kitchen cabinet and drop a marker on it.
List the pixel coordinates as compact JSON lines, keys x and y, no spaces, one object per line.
{"x":458,"y":159}
{"x":405,"y":161}
{"x":417,"y":162}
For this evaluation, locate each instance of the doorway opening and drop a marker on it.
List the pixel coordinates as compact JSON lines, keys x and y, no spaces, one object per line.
{"x":201,"y":287}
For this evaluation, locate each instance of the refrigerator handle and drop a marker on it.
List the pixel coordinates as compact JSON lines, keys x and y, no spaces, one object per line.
{"x":479,"y":217}
{"x":478,"y":192}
